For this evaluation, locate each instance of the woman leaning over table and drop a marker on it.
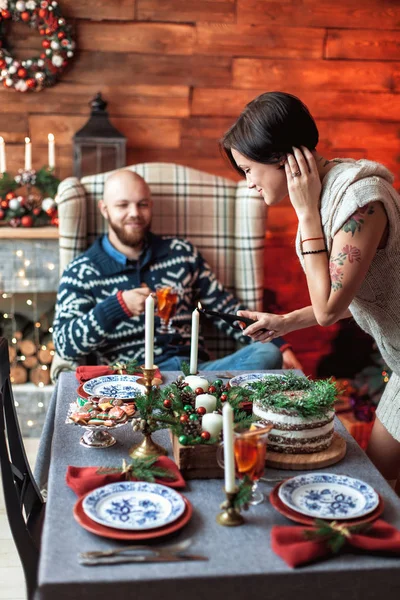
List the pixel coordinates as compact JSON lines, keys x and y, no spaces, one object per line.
{"x":348,"y":240}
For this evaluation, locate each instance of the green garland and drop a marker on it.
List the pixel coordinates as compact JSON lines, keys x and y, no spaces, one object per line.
{"x":319,"y":395}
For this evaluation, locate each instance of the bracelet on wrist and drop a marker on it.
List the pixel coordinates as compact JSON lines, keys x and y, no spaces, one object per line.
{"x":314,"y":251}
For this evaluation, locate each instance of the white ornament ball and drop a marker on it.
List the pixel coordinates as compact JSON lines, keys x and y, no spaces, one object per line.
{"x":55,"y":45}
{"x":12,"y":70}
{"x":40,"y":62}
{"x":61,"y":21}
{"x":70,"y":54}
{"x":21,"y":86}
{"x":9,"y":82}
{"x":28,"y":63}
{"x":48,"y":52}
{"x":4,"y":73}
{"x":14,"y":204}
{"x":31,"y":5}
{"x":20,"y":5}
{"x":57,"y":60}
{"x":48,"y":203}
{"x":9,"y":60}
{"x":54,"y":3}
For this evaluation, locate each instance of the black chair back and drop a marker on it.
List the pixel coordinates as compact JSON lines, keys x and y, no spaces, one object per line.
{"x":23,"y":501}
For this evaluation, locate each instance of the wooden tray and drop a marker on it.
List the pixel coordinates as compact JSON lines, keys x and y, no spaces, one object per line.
{"x":317,"y":460}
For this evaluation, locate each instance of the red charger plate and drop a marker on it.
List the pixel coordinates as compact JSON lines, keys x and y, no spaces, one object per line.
{"x":293,"y":515}
{"x":119,"y":534}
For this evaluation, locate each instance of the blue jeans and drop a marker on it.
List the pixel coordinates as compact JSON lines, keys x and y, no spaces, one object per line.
{"x":253,"y":357}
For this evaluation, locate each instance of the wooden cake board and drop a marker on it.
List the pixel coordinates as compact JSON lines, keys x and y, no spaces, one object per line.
{"x":317,"y":460}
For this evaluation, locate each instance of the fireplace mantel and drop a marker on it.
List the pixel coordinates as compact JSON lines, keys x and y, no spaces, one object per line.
{"x":28,"y":233}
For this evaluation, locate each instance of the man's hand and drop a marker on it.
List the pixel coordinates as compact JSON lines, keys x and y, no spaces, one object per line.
{"x":135,"y":299}
{"x":290,"y":360}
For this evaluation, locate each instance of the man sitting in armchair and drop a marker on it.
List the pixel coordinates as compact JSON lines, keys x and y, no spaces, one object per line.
{"x":102,"y":293}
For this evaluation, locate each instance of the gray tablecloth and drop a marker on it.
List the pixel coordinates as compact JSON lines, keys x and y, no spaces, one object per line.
{"x":241,"y":563}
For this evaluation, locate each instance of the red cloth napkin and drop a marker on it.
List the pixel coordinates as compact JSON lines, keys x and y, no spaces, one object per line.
{"x":291,"y":545}
{"x":87,"y":372}
{"x":85,"y":479}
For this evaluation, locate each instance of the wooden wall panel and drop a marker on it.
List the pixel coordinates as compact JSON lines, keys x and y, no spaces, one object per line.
{"x":337,"y":75}
{"x":364,"y":44}
{"x":176,"y":74}
{"x":221,"y":11}
{"x":258,"y":40}
{"x":145,"y":38}
{"x":349,"y":14}
{"x":325,"y":104}
{"x":119,"y":68}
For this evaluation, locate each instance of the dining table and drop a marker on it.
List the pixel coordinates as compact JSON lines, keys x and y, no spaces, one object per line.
{"x":241,"y":563}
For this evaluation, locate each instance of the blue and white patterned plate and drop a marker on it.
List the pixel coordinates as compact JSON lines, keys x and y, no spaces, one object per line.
{"x":245,"y":379}
{"x":134,"y":505}
{"x":328,"y":496}
{"x":114,"y":386}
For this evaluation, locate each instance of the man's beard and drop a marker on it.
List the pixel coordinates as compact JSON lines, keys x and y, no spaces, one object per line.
{"x":133,"y":239}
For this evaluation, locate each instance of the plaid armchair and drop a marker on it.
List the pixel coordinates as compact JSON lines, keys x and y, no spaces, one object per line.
{"x":225,"y":220}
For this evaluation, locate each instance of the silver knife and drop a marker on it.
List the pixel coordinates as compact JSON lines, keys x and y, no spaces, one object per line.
{"x":139,"y":549}
{"x":140,"y":558}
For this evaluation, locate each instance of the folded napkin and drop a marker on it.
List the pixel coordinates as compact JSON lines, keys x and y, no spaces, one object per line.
{"x":301,"y":545}
{"x":86,"y":479}
{"x":87,"y":372}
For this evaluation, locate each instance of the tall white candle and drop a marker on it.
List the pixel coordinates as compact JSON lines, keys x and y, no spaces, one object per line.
{"x":28,"y":154}
{"x":194,"y":344}
{"x":149,"y":333}
{"x":195,"y":382}
{"x":3,"y":166}
{"x":52,"y":155}
{"x":229,"y":458}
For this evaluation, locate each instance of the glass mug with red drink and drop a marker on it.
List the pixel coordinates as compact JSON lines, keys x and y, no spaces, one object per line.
{"x":250,"y":450}
{"x":167,"y":301}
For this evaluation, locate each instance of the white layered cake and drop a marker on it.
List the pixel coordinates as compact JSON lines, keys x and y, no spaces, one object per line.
{"x":301,"y":423}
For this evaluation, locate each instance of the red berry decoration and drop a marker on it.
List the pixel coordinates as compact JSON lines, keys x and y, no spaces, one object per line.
{"x":54,"y":221}
{"x":205,"y":436}
{"x":224,"y":397}
{"x":201,"y":410}
{"x":26,"y":221}
{"x":46,"y":44}
{"x":2,"y":213}
{"x":2,"y":63}
{"x":21,"y":72}
{"x":31,"y":83}
{"x":42,"y":13}
{"x":212,"y":389}
{"x":25,"y":16}
{"x":4,"y":204}
{"x":184,"y":418}
{"x":37,"y":211}
{"x":10,"y":196}
{"x":5,"y":14}
{"x":198,"y":391}
{"x":167,"y":403}
{"x":61,"y":35}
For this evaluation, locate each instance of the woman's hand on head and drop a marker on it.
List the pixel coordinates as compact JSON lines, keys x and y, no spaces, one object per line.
{"x":267,"y":326}
{"x":303,"y":181}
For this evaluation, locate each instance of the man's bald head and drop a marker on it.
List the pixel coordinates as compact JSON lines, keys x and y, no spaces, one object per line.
{"x":126,"y":206}
{"x":124,"y":183}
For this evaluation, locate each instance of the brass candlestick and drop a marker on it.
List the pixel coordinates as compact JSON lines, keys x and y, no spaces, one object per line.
{"x":147,"y":447}
{"x":230,"y":515}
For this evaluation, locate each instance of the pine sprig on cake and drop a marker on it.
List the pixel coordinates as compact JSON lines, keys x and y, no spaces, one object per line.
{"x":274,"y":392}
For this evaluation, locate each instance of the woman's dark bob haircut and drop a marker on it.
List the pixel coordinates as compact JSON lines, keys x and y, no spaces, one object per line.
{"x":269,"y":127}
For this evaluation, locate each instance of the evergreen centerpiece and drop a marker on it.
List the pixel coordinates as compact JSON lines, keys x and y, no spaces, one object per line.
{"x":300,"y":410}
{"x":174,"y":407}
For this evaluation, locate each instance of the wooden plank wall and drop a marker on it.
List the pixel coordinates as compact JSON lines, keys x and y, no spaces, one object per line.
{"x":176,"y":73}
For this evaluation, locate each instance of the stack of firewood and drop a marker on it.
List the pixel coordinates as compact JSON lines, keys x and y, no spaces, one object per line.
{"x":31,"y":348}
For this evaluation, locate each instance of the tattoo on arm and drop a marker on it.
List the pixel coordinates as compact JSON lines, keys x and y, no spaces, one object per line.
{"x":356,"y":220}
{"x":350,"y":253}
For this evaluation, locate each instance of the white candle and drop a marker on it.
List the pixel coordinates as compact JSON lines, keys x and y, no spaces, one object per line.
{"x":229,"y":458}
{"x":194,"y":344}
{"x":28,"y":154}
{"x":3,"y":166}
{"x":52,"y":155}
{"x":149,"y":333}
{"x":212,"y":422}
{"x":195,"y":382}
{"x":208,"y":401}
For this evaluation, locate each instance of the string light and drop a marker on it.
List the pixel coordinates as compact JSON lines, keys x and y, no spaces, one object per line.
{"x":29,"y":423}
{"x":44,"y":347}
{"x":29,"y":302}
{"x":40,"y":404}
{"x":5,"y":316}
{"x":50,"y":330}
{"x":14,"y":340}
{"x":44,"y":367}
{"x":27,"y":262}
{"x":21,"y":273}
{"x":15,"y":402}
{"x":51,"y":266}
{"x":19,"y":253}
{"x":37,"y":324}
{"x":40,"y":384}
{"x":26,"y":282}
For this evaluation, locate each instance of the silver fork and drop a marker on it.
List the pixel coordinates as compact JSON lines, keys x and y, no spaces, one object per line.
{"x":143,"y":549}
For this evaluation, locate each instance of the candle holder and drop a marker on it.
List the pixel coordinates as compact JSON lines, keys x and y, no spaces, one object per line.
{"x":147,"y":447}
{"x":230,"y":515}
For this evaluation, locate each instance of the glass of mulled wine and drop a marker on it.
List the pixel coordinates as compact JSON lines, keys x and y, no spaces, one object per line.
{"x":250,"y":449}
{"x":167,"y":301}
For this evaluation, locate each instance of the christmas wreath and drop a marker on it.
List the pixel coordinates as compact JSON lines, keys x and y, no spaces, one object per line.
{"x":34,"y":74}
{"x":29,"y":210}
